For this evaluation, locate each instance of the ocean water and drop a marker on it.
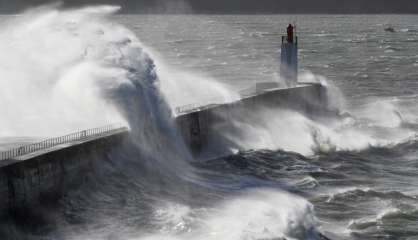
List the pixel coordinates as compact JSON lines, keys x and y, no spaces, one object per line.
{"x":367,"y":188}
{"x":353,"y":51}
{"x":290,"y":178}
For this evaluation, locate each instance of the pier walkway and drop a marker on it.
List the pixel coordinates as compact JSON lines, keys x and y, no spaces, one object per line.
{"x":62,"y":141}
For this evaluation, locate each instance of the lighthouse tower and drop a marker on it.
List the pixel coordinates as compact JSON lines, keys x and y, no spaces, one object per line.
{"x":289,"y":57}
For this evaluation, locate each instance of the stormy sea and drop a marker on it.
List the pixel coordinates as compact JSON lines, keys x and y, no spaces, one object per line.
{"x":284,"y":176}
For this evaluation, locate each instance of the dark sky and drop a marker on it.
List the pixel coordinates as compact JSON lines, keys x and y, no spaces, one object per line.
{"x":235,"y":6}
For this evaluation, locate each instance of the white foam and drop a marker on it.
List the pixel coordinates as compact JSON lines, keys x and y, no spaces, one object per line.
{"x":181,"y":87}
{"x":55,"y":66}
{"x":375,"y":124}
{"x":261,"y":214}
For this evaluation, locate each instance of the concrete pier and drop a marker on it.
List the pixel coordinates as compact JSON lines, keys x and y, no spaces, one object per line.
{"x":198,"y":124}
{"x":42,"y":172}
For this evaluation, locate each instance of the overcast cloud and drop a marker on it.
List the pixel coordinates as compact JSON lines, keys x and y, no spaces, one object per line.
{"x":234,"y":6}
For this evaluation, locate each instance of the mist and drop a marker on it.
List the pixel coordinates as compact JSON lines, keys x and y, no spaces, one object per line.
{"x":55,"y":72}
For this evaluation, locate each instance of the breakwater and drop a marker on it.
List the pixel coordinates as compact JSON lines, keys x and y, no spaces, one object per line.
{"x":42,"y":172}
{"x":198,"y":124}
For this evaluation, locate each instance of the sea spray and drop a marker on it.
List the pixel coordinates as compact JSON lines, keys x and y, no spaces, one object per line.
{"x":54,"y":71}
{"x":375,"y":125}
{"x":182,"y":88}
{"x":255,"y":214}
{"x":70,"y":70}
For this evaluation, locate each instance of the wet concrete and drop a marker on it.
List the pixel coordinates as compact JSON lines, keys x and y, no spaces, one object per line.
{"x":45,"y":176}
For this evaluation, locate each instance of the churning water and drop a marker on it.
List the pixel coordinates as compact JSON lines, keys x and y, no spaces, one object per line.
{"x":287,"y":176}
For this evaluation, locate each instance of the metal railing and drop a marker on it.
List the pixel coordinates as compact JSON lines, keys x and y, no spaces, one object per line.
{"x":197,"y":105}
{"x":188,"y":108}
{"x":51,"y":142}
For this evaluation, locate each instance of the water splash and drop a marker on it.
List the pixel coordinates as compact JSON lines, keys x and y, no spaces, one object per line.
{"x":261,"y":214}
{"x":55,"y":66}
{"x":375,"y":124}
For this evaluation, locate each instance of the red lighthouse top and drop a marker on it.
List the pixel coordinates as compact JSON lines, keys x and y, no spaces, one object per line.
{"x":290,"y":33}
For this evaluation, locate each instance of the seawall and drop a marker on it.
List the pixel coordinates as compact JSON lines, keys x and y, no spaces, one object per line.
{"x":46,"y":175}
{"x":199,"y":125}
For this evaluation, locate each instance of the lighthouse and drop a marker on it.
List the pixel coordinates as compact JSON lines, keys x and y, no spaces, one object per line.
{"x":289,"y":57}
